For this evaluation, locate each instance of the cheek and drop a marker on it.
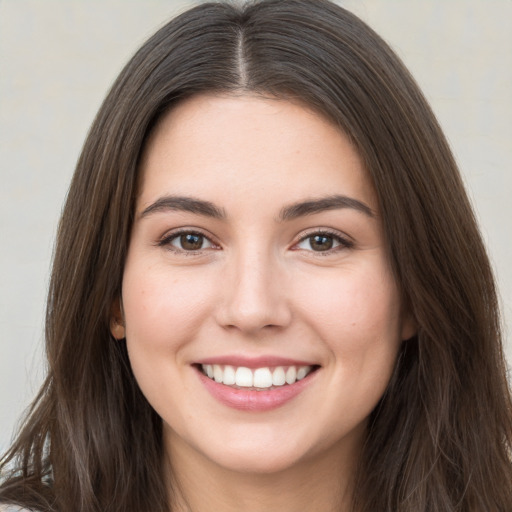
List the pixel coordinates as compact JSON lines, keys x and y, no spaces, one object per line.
{"x":360,"y":304}
{"x":162,"y":310}
{"x":358,"y":321}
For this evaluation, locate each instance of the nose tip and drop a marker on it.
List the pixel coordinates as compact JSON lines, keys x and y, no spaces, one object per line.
{"x":251,"y":318}
{"x":254,"y":299}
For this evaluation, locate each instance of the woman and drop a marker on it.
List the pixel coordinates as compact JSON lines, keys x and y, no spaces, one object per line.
{"x":269,"y":290}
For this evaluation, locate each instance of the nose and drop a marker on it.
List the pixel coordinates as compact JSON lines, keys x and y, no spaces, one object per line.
{"x":254,"y":294}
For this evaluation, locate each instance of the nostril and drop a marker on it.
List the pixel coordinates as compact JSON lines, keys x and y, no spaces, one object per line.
{"x":254,"y":317}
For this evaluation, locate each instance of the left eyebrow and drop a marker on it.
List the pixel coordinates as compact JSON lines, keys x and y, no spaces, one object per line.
{"x":313,"y":206}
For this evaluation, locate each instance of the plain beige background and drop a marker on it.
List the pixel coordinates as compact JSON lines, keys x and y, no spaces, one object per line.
{"x":58,"y":58}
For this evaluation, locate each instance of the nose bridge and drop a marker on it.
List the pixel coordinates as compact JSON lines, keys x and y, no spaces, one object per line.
{"x":254,"y":295}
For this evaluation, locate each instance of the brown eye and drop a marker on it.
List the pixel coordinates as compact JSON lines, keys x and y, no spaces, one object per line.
{"x":188,"y":242}
{"x":321,"y":242}
{"x":191,"y":241}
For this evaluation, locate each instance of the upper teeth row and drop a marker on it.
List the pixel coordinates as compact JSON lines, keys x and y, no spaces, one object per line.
{"x":258,"y":378}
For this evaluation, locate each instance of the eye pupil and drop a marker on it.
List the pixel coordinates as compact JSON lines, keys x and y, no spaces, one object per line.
{"x":191,"y":241}
{"x":321,"y":242}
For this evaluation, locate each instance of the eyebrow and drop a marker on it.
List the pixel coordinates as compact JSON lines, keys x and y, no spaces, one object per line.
{"x":334,"y":202}
{"x":290,"y":212}
{"x":184,"y":204}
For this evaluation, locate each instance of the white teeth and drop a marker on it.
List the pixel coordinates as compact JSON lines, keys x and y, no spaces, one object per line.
{"x":278,"y":377}
{"x":243,"y":377}
{"x":229,"y":376}
{"x":218,"y":374}
{"x":302,"y":372}
{"x":260,"y":378}
{"x":291,"y":375}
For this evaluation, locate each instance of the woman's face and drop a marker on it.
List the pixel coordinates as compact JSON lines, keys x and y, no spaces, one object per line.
{"x":257,"y":256}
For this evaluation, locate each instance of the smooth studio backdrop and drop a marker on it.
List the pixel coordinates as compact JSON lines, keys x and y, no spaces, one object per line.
{"x":59,"y":57}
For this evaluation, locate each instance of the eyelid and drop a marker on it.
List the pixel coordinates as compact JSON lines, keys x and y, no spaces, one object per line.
{"x":169,"y":236}
{"x":345,"y":241}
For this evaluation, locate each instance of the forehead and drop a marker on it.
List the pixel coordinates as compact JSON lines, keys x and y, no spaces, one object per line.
{"x":223,"y":145}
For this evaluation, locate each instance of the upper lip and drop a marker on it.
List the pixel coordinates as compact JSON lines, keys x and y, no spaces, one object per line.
{"x":254,"y":362}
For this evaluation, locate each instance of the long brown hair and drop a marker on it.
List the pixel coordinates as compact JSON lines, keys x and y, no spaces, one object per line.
{"x":440,"y":438}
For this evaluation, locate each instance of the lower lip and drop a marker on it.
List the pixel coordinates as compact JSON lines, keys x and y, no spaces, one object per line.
{"x":252,"y":400}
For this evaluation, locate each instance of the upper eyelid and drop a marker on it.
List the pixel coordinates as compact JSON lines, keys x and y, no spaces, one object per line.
{"x":345,"y":241}
{"x":303,"y":235}
{"x":179,"y":231}
{"x":172,"y":234}
{"x":324,"y":231}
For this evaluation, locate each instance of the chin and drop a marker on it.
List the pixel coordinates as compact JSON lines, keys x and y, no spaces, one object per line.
{"x":257,"y":461}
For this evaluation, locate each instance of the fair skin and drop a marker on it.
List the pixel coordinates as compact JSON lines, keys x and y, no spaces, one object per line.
{"x":257,"y":243}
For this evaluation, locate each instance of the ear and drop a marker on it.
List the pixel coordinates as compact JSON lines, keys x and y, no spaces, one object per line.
{"x":117,"y":328}
{"x":409,"y":326}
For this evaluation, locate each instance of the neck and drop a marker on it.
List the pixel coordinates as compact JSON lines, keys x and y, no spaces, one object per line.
{"x":323,"y":483}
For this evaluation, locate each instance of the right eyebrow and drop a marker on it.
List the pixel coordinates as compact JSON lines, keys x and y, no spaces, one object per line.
{"x":184,"y":204}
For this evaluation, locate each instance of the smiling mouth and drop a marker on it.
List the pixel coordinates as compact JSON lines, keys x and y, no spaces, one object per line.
{"x":258,"y":379}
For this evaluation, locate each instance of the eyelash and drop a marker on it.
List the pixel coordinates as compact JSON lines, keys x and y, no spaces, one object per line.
{"x":167,"y":240}
{"x":343,"y":243}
